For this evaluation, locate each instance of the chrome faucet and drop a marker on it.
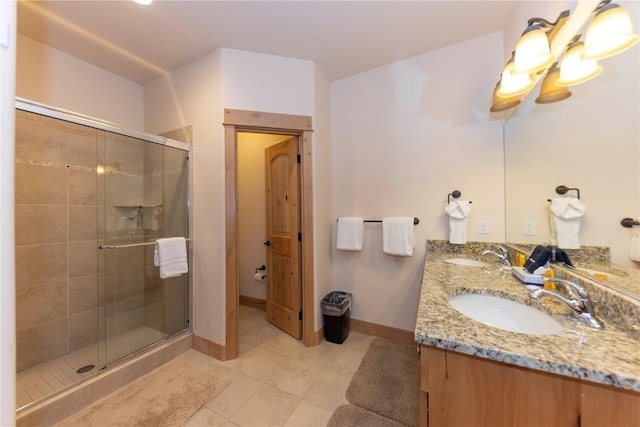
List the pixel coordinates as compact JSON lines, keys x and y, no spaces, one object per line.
{"x":503,"y":256}
{"x":579,"y":301}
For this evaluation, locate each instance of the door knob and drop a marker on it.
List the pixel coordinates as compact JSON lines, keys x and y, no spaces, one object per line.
{"x":267,"y":243}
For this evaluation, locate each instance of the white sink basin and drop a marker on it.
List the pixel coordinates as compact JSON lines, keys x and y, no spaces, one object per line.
{"x":467,"y":262}
{"x":505,"y":314}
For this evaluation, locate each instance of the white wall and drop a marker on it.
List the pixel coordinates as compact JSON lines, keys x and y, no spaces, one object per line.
{"x":323,"y":189}
{"x":259,"y":82}
{"x":7,"y":244}
{"x":192,"y":95}
{"x":54,"y":78}
{"x":404,"y":136}
{"x":196,"y":94}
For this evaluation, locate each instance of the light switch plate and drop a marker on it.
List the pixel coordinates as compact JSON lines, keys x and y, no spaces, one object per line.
{"x":529,"y":227}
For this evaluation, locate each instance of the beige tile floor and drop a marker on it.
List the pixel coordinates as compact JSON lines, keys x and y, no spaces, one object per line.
{"x":276,"y":381}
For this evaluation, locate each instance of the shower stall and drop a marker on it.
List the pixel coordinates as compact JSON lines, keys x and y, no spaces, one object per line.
{"x":91,"y":199}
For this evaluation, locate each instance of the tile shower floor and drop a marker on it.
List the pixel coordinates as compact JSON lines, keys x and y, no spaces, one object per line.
{"x":276,"y":381}
{"x":50,"y":377}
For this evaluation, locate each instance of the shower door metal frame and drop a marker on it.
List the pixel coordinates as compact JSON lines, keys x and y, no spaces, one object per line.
{"x":81,"y":119}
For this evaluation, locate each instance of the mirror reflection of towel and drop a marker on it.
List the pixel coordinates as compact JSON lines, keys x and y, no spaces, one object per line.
{"x":565,"y":221}
{"x":458,"y":211}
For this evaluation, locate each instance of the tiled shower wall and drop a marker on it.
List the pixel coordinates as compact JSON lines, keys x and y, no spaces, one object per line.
{"x":56,"y":224}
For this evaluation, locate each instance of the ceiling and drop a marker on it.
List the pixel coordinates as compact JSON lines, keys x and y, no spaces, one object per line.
{"x":142,"y":43}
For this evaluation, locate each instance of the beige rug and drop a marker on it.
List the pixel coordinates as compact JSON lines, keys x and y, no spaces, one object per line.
{"x":387,"y":384}
{"x":167,"y":396}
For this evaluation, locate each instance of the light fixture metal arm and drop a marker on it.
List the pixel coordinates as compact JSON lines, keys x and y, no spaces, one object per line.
{"x":548,"y":24}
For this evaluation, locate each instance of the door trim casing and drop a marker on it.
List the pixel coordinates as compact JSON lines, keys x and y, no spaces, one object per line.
{"x":261,"y":122}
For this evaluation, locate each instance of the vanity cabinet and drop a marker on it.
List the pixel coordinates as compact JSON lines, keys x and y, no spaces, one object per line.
{"x":463,"y":390}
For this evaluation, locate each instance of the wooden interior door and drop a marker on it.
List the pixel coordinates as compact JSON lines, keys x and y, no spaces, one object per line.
{"x":282,"y":231}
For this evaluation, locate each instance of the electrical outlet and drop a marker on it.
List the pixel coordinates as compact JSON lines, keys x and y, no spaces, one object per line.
{"x":483,"y":226}
{"x":529,"y":227}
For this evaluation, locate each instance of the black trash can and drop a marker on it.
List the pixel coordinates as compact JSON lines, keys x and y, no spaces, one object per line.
{"x":336,"y":311}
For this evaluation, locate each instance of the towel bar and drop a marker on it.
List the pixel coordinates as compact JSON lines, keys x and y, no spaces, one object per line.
{"x":416,"y":221}
{"x":131,"y":245}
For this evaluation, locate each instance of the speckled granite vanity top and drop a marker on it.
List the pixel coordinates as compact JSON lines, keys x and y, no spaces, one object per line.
{"x":608,"y":357}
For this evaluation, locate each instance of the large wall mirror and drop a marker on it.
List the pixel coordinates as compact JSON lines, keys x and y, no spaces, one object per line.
{"x":589,"y":141}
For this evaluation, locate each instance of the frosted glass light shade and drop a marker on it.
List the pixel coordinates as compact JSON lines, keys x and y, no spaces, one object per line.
{"x":608,"y":33}
{"x":574,"y":69}
{"x":532,"y":51}
{"x":502,"y":103}
{"x":513,"y":84}
{"x":550,"y":91}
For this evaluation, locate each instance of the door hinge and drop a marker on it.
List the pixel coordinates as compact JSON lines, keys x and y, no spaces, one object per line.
{"x":299,"y":315}
{"x":299,"y":159}
{"x":299,"y":237}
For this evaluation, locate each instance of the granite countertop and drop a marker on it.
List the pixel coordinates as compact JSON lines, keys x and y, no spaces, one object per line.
{"x":609,"y":356}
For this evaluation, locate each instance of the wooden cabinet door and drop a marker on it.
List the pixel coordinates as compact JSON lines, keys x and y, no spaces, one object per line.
{"x":604,"y":406}
{"x":468,"y":391}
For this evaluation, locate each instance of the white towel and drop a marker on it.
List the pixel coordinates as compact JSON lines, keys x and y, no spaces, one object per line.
{"x":634,"y":253}
{"x":350,"y":233}
{"x":170,"y":255}
{"x":397,"y":236}
{"x":565,"y":217}
{"x":458,"y":211}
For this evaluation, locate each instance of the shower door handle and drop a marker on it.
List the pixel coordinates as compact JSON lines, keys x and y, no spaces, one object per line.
{"x":267,"y":243}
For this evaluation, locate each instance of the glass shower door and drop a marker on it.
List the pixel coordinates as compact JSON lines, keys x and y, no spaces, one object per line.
{"x":56,"y":246}
{"x":144,"y":187}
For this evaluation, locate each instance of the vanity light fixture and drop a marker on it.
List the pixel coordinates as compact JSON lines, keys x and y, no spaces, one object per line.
{"x":609,"y":32}
{"x":145,"y":2}
{"x":533,"y":51}
{"x":574,"y":68}
{"x":513,"y":84}
{"x":502,"y":103}
{"x":551,"y":91}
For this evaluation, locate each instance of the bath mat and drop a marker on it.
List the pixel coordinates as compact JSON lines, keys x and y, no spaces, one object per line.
{"x":354,"y":416}
{"x":387,"y":382}
{"x":167,"y":396}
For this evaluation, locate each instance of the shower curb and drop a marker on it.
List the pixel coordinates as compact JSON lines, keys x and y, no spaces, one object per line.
{"x":95,"y":388}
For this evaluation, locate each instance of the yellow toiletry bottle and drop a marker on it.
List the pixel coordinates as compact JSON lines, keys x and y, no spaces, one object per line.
{"x":548,"y":273}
